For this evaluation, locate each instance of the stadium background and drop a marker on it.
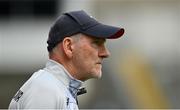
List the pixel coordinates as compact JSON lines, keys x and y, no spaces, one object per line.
{"x":142,"y":72}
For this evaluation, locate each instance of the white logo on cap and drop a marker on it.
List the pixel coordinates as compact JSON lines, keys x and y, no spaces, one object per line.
{"x":93,"y":17}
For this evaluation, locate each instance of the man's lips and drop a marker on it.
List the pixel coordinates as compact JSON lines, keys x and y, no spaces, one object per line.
{"x":99,"y":62}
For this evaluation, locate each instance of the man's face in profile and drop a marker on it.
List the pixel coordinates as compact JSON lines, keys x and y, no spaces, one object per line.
{"x":88,"y":55}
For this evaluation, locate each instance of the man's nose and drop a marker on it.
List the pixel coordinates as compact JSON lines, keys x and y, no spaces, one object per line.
{"x":104,"y":52}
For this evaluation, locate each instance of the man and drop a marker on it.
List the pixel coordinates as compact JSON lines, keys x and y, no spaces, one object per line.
{"x":76,"y":46}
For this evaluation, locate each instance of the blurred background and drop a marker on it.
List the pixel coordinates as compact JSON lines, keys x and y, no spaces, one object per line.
{"x":142,"y":72}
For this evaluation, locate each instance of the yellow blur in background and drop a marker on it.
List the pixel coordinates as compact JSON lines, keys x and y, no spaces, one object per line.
{"x":142,"y":88}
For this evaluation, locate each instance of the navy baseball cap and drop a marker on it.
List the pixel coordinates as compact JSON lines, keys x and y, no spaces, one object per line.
{"x":74,"y":22}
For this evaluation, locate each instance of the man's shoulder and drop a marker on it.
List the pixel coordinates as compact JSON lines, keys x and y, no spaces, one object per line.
{"x":40,"y":91}
{"x":42,"y":80}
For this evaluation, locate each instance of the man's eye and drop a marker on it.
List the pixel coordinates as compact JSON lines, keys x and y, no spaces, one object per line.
{"x":96,"y":42}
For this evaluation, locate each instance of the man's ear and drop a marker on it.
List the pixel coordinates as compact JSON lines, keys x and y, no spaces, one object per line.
{"x":67,"y":46}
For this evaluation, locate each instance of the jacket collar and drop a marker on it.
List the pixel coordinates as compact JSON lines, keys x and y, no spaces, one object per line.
{"x":64,"y":76}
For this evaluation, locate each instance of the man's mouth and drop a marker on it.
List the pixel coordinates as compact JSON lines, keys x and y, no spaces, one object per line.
{"x":99,"y":62}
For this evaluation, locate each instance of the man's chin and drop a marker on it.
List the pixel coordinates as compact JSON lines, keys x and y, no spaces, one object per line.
{"x":98,"y":75}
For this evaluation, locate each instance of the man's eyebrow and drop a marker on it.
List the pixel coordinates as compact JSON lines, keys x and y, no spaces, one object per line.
{"x":100,"y":39}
